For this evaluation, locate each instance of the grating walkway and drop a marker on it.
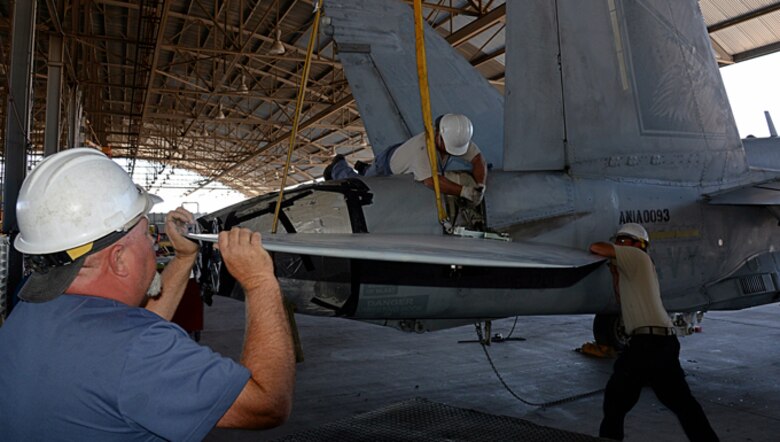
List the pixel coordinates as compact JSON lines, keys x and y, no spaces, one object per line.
{"x":422,"y":420}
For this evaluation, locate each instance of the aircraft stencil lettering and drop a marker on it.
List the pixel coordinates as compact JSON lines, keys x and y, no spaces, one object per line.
{"x":645,"y":216}
{"x":637,"y":140}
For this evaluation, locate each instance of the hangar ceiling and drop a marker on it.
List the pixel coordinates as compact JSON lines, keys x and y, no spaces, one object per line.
{"x":196,"y":84}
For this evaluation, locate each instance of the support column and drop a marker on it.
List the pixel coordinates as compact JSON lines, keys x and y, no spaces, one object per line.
{"x":17,"y":132}
{"x":51,"y":144}
{"x":74,"y":117}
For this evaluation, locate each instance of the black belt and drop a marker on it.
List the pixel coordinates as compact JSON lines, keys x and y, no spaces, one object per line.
{"x":651,"y":330}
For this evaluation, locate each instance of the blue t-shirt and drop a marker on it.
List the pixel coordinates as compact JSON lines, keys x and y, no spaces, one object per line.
{"x":88,"y":368}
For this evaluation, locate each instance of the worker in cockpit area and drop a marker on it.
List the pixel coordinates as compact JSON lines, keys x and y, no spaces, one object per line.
{"x":652,"y":356}
{"x":452,"y":138}
{"x":90,"y":353}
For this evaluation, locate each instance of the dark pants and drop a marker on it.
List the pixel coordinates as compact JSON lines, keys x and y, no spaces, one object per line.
{"x":654,"y":361}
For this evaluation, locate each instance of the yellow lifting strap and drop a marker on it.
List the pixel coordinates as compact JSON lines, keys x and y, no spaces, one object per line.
{"x":298,"y":107}
{"x":422,"y":75}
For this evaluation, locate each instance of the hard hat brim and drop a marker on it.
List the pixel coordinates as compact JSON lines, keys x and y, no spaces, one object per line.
{"x":43,"y":287}
{"x":456,"y":150}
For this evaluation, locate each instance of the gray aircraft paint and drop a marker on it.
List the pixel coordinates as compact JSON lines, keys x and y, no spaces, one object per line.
{"x":640,"y":71}
{"x":376,"y":47}
{"x":649,"y":138}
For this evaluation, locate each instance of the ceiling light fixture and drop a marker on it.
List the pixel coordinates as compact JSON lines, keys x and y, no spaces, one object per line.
{"x":220,"y":114}
{"x":243,"y":88}
{"x":277,"y":48}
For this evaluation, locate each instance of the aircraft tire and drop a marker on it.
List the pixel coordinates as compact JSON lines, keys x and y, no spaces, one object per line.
{"x":608,"y":330}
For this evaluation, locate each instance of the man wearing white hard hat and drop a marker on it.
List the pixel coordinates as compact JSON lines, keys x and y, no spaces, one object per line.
{"x":652,"y":356}
{"x":452,"y":139}
{"x":90,"y":353}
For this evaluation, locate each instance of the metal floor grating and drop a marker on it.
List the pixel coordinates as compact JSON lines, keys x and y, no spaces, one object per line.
{"x":422,"y":420}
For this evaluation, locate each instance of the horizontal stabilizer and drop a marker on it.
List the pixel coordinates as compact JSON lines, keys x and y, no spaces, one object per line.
{"x":442,"y":250}
{"x":764,"y":194}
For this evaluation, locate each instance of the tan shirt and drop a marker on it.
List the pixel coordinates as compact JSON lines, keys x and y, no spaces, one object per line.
{"x":412,"y":157}
{"x":640,"y":296}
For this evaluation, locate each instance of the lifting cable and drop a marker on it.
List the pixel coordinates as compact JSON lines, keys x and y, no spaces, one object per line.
{"x":422,"y":76}
{"x":509,"y":389}
{"x":298,"y":107}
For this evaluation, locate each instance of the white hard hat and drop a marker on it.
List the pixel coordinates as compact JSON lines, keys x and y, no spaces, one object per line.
{"x":456,"y":131}
{"x":75,"y":197}
{"x":635,"y":231}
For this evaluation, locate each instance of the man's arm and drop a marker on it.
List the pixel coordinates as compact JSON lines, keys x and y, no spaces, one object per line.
{"x":604,"y":249}
{"x":608,"y":250}
{"x":479,"y":169}
{"x":445,"y":185}
{"x":266,"y":399}
{"x":177,"y":272}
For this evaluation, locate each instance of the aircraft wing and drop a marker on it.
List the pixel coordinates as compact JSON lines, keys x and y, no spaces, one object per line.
{"x":441,"y":250}
{"x":763,"y":194}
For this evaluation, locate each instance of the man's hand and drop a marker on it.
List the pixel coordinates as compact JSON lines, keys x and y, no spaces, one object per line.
{"x":243,"y":253}
{"x":175,"y":227}
{"x":480,"y":191}
{"x":473,"y":194}
{"x":177,"y":272}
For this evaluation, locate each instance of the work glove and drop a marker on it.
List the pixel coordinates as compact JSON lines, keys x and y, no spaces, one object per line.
{"x":480,"y":192}
{"x":473,"y":194}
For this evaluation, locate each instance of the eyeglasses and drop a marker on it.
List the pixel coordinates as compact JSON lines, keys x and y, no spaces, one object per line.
{"x":623,"y":240}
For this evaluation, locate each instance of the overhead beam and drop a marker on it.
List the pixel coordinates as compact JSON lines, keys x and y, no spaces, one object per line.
{"x":478,"y":26}
{"x":757,"y":52}
{"x":255,"y":55}
{"x":721,"y":55}
{"x":346,"y":101}
{"x":750,"y":15}
{"x":54,"y":65}
{"x":155,"y":58}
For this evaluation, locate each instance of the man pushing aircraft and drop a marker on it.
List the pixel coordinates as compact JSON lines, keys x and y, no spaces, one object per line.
{"x":653,"y":352}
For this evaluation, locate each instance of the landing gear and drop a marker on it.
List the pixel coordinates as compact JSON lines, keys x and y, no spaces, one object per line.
{"x":608,"y":330}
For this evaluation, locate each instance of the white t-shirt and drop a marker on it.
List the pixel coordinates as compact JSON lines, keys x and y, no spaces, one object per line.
{"x":412,"y":157}
{"x":640,"y":295}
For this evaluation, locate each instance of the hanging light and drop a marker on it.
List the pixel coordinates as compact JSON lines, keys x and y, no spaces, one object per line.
{"x":277,"y":48}
{"x":220,"y":114}
{"x":243,"y":88}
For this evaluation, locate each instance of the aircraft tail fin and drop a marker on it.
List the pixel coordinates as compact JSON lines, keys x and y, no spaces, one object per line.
{"x":624,"y":89}
{"x":376,"y":46}
{"x":770,"y":124}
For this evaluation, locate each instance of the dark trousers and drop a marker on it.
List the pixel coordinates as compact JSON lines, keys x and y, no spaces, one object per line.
{"x":654,"y":361}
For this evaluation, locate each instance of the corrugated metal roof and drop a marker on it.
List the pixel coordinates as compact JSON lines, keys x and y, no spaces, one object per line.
{"x":742,"y":29}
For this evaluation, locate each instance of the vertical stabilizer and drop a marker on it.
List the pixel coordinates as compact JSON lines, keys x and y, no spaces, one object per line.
{"x":639,"y":90}
{"x":376,"y":46}
{"x":770,"y":124}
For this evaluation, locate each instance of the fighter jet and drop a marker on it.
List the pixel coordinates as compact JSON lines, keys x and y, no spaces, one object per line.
{"x":613,"y":112}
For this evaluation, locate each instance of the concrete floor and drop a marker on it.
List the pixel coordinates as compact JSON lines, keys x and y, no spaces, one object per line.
{"x":733,"y":368}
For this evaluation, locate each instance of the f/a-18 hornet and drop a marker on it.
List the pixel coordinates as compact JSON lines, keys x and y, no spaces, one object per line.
{"x":613,"y":112}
